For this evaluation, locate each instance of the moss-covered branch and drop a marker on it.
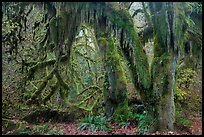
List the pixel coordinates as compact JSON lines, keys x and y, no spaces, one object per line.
{"x":92,"y":95}
{"x":61,"y":81}
{"x":42,"y":86}
{"x":75,"y":74}
{"x":90,"y":87}
{"x":40,"y":65}
{"x":53,"y":89}
{"x":86,"y":57}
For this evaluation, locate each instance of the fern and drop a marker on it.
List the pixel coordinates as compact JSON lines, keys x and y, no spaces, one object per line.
{"x":94,"y":124}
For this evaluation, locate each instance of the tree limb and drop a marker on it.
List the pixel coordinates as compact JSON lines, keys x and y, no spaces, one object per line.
{"x":61,"y":81}
{"x":90,"y":87}
{"x":41,"y":87}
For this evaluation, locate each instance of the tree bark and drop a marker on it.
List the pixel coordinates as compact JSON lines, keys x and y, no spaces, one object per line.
{"x":166,"y":49}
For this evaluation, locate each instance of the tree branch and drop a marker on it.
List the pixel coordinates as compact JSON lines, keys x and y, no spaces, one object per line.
{"x":61,"y":81}
{"x":43,"y":64}
{"x":91,"y":87}
{"x":42,"y":86}
{"x":53,"y":89}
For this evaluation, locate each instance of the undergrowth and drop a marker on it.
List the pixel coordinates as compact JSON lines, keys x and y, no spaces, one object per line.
{"x":94,"y":123}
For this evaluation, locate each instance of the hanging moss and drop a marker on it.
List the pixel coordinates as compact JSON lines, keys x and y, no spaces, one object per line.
{"x":62,"y":25}
{"x":179,"y":23}
{"x":53,"y":31}
{"x":142,"y":67}
{"x":123,"y":20}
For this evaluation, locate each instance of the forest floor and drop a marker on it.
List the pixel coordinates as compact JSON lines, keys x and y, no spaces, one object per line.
{"x":71,"y":129}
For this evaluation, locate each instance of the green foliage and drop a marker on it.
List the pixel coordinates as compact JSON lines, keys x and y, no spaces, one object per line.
{"x":130,"y":116}
{"x":94,"y":124}
{"x":189,"y":22}
{"x":25,"y":132}
{"x":9,"y":26}
{"x":187,"y":102}
{"x":45,"y":130}
{"x":185,"y":77}
{"x":187,"y":99}
{"x":186,"y":122}
{"x":184,"y":97}
{"x":40,"y":129}
{"x":54,"y":131}
{"x":144,"y":123}
{"x":182,"y":120}
{"x":180,"y":95}
{"x":123,"y":125}
{"x":196,"y":7}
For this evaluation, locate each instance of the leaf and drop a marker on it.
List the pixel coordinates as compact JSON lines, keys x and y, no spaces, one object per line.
{"x":51,"y":133}
{"x":103,"y":120}
{"x":93,"y":127}
{"x":60,"y":131}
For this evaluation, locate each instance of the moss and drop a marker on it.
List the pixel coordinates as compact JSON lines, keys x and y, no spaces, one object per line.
{"x":162,"y":90}
{"x":62,"y":25}
{"x":142,"y":68}
{"x":159,"y":22}
{"x":61,"y":81}
{"x":158,"y":51}
{"x":53,"y":89}
{"x":42,"y":86}
{"x":53,"y":31}
{"x":120,"y":79}
{"x":179,"y":26}
{"x":123,"y":20}
{"x":163,"y":66}
{"x":103,"y":42}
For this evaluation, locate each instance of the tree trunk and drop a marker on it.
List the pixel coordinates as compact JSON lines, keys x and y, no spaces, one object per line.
{"x":163,"y":78}
{"x":167,"y":42}
{"x":115,"y":91}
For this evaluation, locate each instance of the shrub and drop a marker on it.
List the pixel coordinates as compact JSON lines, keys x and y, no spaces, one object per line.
{"x":144,"y":123}
{"x":124,"y":120}
{"x":94,"y":124}
{"x":40,"y":129}
{"x":54,"y":131}
{"x":181,"y":119}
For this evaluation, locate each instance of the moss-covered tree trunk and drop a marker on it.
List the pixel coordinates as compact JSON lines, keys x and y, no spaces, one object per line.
{"x":168,"y":40}
{"x":163,"y":72}
{"x":115,"y":90}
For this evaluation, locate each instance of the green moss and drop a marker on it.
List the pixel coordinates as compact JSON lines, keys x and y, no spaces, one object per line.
{"x":62,"y":25}
{"x":157,"y":47}
{"x":121,"y":82}
{"x":123,"y":20}
{"x":119,"y":91}
{"x":42,"y":86}
{"x":53,"y":31}
{"x":162,"y":79}
{"x":162,"y":65}
{"x":103,"y":42}
{"x":53,"y":89}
